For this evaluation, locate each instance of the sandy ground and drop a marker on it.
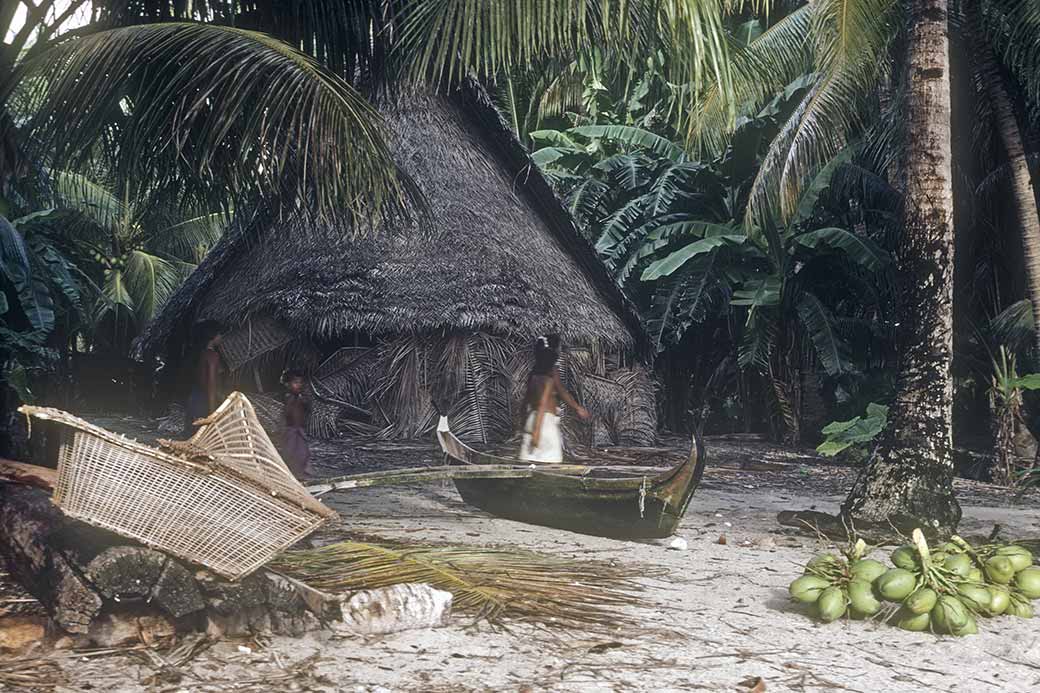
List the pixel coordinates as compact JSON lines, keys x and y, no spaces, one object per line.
{"x":719,"y":619}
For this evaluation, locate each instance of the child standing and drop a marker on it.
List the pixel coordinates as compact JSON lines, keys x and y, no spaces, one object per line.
{"x":297,"y":451}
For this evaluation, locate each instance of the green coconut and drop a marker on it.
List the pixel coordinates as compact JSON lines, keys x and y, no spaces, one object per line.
{"x":921,"y":601}
{"x":999,"y":570}
{"x":1028,"y":582}
{"x":949,"y":615}
{"x":999,"y":601}
{"x":905,"y":557}
{"x":807,"y":589}
{"x":862,"y":601}
{"x":915,"y":622}
{"x":1019,"y":556}
{"x":867,"y":569}
{"x":896,"y":585}
{"x":976,"y":597}
{"x":831,"y":604}
{"x":959,"y":564}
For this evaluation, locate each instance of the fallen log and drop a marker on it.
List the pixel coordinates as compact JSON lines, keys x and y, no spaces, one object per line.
{"x":104,"y":590}
{"x":33,"y":543}
{"x":28,"y":474}
{"x":103,"y":587}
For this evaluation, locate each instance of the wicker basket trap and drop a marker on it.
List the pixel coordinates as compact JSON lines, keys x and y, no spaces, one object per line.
{"x":223,"y":499}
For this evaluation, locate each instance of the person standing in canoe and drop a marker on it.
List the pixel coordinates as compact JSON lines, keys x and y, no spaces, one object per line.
{"x":542,"y":441}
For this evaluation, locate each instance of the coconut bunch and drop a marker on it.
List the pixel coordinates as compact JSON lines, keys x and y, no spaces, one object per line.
{"x":944,"y":590}
{"x":835,"y":585}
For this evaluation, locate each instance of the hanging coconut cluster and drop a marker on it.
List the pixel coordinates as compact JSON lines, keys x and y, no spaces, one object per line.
{"x":943,"y":590}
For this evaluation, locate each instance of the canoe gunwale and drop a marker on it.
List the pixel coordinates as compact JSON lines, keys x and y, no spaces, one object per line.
{"x":685,"y":474}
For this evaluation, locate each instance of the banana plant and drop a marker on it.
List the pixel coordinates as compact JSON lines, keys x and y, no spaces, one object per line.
{"x":804,"y":288}
{"x":38,"y":289}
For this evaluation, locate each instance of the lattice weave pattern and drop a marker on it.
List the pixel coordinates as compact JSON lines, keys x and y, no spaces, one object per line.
{"x":254,"y":338}
{"x":231,"y":505}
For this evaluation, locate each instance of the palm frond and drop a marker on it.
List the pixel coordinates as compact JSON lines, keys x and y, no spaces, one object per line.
{"x":150,"y":281}
{"x":445,"y":39}
{"x":851,"y":38}
{"x":474,"y":380}
{"x":494,"y":584}
{"x":1012,"y":27}
{"x":563,"y":94}
{"x":91,"y":199}
{"x":191,"y":105}
{"x":115,"y":294}
{"x":350,"y":38}
{"x":191,"y":238}
{"x":760,"y":70}
{"x":1014,"y":326}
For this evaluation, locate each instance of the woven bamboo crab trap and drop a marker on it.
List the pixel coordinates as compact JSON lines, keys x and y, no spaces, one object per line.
{"x":223,"y":499}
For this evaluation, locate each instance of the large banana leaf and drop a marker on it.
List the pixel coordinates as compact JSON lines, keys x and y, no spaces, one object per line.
{"x":687,"y":299}
{"x":859,"y":249}
{"x":34,"y":298}
{"x":650,"y":238}
{"x":831,"y":349}
{"x":758,"y":292}
{"x":620,"y":224}
{"x":819,"y":184}
{"x":633,"y":137}
{"x":669,"y":264}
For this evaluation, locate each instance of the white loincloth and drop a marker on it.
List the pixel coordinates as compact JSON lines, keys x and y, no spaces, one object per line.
{"x":550,"y":442}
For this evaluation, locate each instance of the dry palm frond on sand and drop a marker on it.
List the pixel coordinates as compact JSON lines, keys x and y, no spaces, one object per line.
{"x":493,"y":584}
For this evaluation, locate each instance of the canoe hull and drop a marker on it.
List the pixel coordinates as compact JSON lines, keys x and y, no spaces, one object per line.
{"x":545,"y":501}
{"x":572,"y":497}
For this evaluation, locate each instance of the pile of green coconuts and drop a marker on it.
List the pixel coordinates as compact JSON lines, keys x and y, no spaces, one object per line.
{"x":943,"y":590}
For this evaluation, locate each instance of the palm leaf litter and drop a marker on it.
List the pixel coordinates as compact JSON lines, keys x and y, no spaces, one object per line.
{"x":492,"y":584}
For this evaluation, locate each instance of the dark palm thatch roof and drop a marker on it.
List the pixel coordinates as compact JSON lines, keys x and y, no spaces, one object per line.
{"x":501,"y":252}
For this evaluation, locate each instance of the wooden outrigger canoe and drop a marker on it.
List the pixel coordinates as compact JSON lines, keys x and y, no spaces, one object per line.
{"x":628,"y":504}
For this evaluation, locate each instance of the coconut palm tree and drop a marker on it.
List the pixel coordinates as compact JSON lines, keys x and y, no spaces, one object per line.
{"x":1005,"y":38}
{"x":908,"y":481}
{"x":182,"y":98}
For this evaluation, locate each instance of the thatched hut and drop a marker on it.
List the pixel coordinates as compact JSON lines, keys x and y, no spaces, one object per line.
{"x":390,"y":318}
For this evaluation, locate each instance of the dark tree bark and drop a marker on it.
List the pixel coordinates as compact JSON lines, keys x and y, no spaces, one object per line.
{"x":29,"y":525}
{"x":99,"y":585}
{"x":909,"y":479}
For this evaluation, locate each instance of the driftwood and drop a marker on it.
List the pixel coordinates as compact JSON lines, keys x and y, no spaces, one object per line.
{"x":101,"y":587}
{"x":29,"y":474}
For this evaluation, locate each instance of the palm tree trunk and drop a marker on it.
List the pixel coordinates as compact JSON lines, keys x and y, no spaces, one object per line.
{"x":1024,"y":200}
{"x":909,"y":479}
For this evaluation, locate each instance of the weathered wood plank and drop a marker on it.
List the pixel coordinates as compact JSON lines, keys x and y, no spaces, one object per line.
{"x":28,"y":474}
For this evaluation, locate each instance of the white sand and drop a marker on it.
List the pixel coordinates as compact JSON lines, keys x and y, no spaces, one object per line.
{"x":722,"y":617}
